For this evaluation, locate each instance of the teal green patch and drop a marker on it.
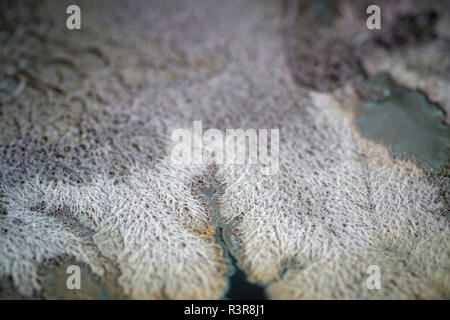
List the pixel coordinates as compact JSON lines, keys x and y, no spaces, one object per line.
{"x":325,"y":11}
{"x":404,"y":120}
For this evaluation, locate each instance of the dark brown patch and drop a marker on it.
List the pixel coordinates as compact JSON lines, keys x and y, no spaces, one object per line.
{"x":409,"y":29}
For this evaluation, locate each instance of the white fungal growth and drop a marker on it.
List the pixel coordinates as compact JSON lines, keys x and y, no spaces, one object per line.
{"x":85,"y":168}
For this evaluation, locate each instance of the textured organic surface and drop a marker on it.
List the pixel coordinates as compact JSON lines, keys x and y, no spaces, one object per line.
{"x":86,"y":176}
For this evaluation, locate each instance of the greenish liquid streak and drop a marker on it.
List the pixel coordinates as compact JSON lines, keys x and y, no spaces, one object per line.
{"x":239,"y":288}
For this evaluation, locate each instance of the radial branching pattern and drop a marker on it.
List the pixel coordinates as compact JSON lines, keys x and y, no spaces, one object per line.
{"x":86,"y":175}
